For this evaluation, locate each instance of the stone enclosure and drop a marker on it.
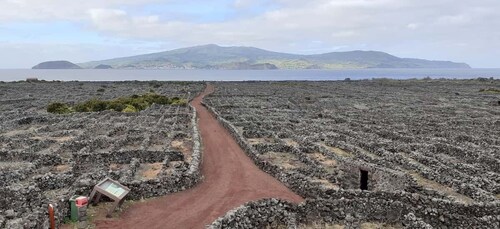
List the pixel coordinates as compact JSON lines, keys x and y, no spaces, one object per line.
{"x":427,"y":152}
{"x":47,"y":158}
{"x":364,"y":154}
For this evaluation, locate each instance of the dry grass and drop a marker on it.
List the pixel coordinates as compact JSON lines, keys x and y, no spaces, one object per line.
{"x":255,"y":141}
{"x":373,"y":156}
{"x":156,"y":147}
{"x":177,"y":144}
{"x":321,"y":226}
{"x":183,"y":147}
{"x":116,"y":167}
{"x":63,"y":139}
{"x":367,"y":225}
{"x":57,"y":139}
{"x":8,"y":165}
{"x":284,"y":160}
{"x":290,"y":142}
{"x":135,"y":145}
{"x":150,"y":171}
{"x":61,"y":168}
{"x":323,"y":160}
{"x":338,"y":151}
{"x":13,"y":133}
{"x":411,"y":160}
{"x":442,"y":189}
{"x":378,"y":226}
{"x":328,"y":164}
{"x":326,"y":184}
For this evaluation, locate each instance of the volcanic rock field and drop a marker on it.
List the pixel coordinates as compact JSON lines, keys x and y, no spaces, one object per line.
{"x":47,"y":158}
{"x":429,"y":149}
{"x":364,"y":154}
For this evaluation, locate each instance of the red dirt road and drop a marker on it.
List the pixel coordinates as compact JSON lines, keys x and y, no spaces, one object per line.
{"x":231,"y":179}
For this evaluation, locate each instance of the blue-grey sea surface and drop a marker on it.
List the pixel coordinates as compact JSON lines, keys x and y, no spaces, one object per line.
{"x":241,"y":75}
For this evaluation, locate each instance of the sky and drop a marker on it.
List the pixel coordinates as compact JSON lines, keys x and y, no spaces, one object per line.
{"x":33,"y":31}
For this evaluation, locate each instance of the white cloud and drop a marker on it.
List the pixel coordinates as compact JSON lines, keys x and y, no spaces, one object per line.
{"x":243,"y":3}
{"x":29,"y":10}
{"x":454,"y":20}
{"x":413,"y":26}
{"x":407,"y":27}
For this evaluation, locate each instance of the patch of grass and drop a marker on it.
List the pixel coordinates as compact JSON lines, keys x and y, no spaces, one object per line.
{"x":59,"y":108}
{"x":134,"y":103}
{"x":129,"y":109}
{"x":490,"y":90}
{"x":442,"y":189}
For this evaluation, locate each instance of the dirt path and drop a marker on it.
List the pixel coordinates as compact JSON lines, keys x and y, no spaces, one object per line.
{"x":231,"y":179}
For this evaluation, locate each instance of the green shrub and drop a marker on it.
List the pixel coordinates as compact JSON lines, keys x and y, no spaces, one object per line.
{"x":133,"y":103}
{"x":490,"y":90}
{"x":101,"y":90}
{"x":177,"y":101}
{"x":81,"y":107}
{"x":59,"y":108}
{"x":98,"y":105}
{"x":130,"y":109}
{"x":116,"y":106}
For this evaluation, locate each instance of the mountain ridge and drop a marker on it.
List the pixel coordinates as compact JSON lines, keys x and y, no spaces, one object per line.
{"x":213,"y":56}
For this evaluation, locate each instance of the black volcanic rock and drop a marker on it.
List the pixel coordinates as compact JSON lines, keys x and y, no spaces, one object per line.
{"x":61,"y":64}
{"x":103,"y":66}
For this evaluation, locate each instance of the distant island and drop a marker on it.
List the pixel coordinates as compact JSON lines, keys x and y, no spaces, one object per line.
{"x":103,"y":66}
{"x":60,"y":64}
{"x":242,"y":58}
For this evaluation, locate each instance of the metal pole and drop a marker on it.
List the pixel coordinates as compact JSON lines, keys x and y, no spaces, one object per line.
{"x":51,"y":217}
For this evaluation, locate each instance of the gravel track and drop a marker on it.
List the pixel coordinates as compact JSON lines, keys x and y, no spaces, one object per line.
{"x":230,"y":180}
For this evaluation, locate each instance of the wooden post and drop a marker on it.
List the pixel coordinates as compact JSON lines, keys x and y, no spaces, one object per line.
{"x":52,"y":218}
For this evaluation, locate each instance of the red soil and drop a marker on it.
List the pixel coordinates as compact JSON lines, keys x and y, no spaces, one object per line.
{"x":231,"y":179}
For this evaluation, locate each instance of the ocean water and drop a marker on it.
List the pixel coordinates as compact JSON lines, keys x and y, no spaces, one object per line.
{"x":241,"y":75}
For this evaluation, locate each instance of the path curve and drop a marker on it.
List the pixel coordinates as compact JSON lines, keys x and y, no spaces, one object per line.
{"x":231,"y":179}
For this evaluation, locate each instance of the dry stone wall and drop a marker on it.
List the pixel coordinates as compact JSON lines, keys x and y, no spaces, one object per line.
{"x":46,"y":158}
{"x":426,"y":178}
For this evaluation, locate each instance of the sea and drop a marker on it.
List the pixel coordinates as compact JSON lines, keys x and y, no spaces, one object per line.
{"x":8,"y":75}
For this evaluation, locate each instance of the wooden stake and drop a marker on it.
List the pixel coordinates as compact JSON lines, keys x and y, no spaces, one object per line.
{"x":52,"y":218}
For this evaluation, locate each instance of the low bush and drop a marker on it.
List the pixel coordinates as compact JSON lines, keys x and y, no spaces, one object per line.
{"x":132,"y":103}
{"x":59,"y":108}
{"x":490,"y":90}
{"x":129,"y":109}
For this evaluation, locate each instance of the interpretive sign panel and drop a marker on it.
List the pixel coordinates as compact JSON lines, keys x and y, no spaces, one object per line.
{"x":112,"y":189}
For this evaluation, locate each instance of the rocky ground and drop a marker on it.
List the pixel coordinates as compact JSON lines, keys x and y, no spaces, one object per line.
{"x":46,"y":158}
{"x":425,"y":152}
{"x":426,"y":147}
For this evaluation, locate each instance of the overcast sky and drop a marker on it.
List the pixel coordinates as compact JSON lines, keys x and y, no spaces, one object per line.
{"x":32,"y":31}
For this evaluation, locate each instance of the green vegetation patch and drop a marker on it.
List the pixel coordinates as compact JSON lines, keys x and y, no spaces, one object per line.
{"x":490,"y":90}
{"x":59,"y":108}
{"x":134,"y":103}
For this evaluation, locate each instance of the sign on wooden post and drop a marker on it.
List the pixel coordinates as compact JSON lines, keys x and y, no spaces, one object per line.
{"x":112,"y":189}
